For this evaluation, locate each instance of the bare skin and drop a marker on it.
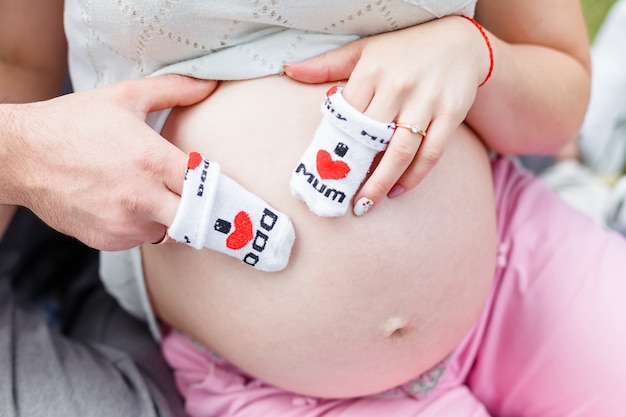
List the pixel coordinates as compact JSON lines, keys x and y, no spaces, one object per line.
{"x":369,"y":303}
{"x":379,"y":295}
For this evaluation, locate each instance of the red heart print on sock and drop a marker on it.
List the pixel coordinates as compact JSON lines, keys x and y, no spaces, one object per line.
{"x":242,"y":233}
{"x":329,"y":169}
{"x":194,"y":160}
{"x":332,"y":90}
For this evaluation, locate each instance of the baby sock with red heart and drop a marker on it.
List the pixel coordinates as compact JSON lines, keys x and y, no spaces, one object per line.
{"x":336,"y":162}
{"x":216,"y":212}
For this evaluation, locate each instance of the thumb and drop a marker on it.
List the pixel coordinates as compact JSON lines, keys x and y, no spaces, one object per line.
{"x":335,"y":65}
{"x":167,"y":91}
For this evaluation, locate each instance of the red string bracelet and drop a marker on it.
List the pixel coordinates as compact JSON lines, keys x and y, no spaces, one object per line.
{"x":482,"y":32}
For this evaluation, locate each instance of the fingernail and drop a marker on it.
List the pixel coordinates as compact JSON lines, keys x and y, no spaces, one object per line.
{"x":363,"y":206}
{"x":396,"y":191}
{"x":286,"y":68}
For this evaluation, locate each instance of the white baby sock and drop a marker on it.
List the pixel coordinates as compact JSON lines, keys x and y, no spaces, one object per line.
{"x":334,"y":165}
{"x":217,"y":213}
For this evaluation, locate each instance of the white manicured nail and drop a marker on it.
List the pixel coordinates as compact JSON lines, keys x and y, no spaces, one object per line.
{"x":363,"y":206}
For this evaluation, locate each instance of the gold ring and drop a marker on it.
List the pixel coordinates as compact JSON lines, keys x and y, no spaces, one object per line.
{"x":166,"y":238}
{"x":414,"y":128}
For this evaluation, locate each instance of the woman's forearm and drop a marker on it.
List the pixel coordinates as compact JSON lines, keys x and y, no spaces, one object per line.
{"x":33,"y":50}
{"x":537,"y":97}
{"x":24,"y":85}
{"x":535,"y":101}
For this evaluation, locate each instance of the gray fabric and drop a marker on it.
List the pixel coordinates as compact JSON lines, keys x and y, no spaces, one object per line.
{"x":66,"y":347}
{"x":105,"y":323}
{"x":44,"y":374}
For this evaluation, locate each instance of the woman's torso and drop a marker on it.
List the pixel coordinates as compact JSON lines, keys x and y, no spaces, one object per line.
{"x":366,"y":303}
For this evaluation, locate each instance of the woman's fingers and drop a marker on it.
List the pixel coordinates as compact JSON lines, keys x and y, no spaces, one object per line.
{"x":396,"y":159}
{"x":428,"y":155}
{"x":431,"y":88}
{"x":409,"y":158}
{"x":392,"y":105}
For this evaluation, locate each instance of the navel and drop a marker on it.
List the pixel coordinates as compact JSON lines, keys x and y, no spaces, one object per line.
{"x":396,"y":328}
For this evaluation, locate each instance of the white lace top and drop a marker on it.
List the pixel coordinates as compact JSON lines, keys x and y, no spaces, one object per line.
{"x":111,"y":40}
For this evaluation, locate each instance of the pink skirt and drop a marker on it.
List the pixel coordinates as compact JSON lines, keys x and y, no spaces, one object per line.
{"x":551,"y":340}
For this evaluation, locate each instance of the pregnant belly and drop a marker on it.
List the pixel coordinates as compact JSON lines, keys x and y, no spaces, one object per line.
{"x":366,"y":303}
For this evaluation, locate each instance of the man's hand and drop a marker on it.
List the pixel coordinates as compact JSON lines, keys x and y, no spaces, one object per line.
{"x":89,"y":166}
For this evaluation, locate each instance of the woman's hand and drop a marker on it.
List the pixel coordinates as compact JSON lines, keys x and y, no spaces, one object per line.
{"x":89,"y":166}
{"x":425,"y":75}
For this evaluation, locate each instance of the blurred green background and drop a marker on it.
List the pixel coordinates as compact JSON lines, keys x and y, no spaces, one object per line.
{"x":595,"y":11}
